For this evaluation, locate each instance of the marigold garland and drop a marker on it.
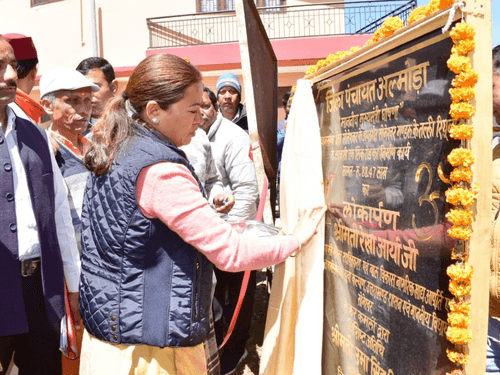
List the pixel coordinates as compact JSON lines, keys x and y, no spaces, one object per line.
{"x":462,"y":131}
{"x":460,"y":306}
{"x":459,"y":217}
{"x":461,"y":156}
{"x":460,"y":94}
{"x":461,"y":174}
{"x":458,"y":335}
{"x":458,"y":64}
{"x":460,"y":233}
{"x":462,"y":110}
{"x":457,"y":357}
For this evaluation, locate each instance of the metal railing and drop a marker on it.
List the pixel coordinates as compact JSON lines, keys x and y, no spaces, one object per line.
{"x":280,"y":22}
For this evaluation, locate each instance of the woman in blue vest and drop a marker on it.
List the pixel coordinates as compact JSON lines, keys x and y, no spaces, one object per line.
{"x":150,"y":238}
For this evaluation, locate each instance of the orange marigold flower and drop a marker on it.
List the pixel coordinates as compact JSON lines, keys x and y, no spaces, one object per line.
{"x":458,"y":63}
{"x":460,"y":272}
{"x":462,"y":94}
{"x":461,"y":156}
{"x":459,"y":336}
{"x":445,"y":4}
{"x":460,"y":306}
{"x":417,"y":14}
{"x":461,"y":131}
{"x":461,"y":174}
{"x":467,"y":78}
{"x":462,"y":110}
{"x":459,"y":233}
{"x":463,"y":47}
{"x":457,"y":357}
{"x":457,"y":195}
{"x":462,"y":31}
{"x":459,"y":320}
{"x":460,"y":217}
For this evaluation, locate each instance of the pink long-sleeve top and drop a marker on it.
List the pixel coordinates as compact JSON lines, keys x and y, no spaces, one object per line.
{"x":168,"y":191}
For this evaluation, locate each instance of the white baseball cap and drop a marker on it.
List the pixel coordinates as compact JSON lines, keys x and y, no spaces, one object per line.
{"x":64,"y":79}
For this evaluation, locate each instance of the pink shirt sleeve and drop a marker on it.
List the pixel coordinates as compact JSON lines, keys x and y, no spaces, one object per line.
{"x":168,"y":191}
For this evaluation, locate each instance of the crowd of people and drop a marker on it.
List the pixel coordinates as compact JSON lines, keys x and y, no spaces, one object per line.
{"x":125,"y":202}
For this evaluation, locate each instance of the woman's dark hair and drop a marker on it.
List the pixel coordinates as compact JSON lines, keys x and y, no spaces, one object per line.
{"x":163,"y":78}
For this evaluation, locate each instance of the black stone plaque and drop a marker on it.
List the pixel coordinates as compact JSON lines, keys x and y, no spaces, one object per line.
{"x":384,"y":128}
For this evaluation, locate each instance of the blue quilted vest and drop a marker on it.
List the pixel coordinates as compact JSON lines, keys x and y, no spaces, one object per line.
{"x":140,"y":283}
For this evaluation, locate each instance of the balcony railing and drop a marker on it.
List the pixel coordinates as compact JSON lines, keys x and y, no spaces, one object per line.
{"x":280,"y":22}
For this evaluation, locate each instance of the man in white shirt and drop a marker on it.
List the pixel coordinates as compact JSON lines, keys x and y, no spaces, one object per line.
{"x":38,"y":252}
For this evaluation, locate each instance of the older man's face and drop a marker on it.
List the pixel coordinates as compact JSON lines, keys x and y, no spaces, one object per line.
{"x":8,"y":75}
{"x":71,"y":110}
{"x":208,"y":112}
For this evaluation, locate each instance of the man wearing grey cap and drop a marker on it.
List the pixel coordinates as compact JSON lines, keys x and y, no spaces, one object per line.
{"x":38,"y":251}
{"x":67,"y":98}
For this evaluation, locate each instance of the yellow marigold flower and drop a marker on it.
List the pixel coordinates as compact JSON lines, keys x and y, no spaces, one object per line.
{"x":467,"y":78}
{"x":369,"y":41}
{"x":460,"y":272}
{"x":459,"y":217}
{"x":311,"y":69}
{"x":463,"y":131}
{"x":462,"y":110}
{"x":461,"y":156}
{"x":461,"y":174}
{"x":433,"y":6}
{"x":341,"y":54}
{"x":463,"y":47}
{"x":331,"y":57}
{"x":417,"y":13}
{"x":460,"y":306}
{"x":462,"y":94}
{"x":462,"y":31}
{"x":457,"y":357}
{"x":390,"y":25}
{"x":459,"y":233}
{"x":445,"y":4}
{"x":379,"y":34}
{"x":459,"y":336}
{"x":322,"y":63}
{"x":457,"y":195}
{"x":353,"y":49}
{"x":458,"y":63}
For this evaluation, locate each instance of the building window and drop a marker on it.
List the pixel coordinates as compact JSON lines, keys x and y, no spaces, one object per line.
{"x":205,"y":6}
{"x":35,"y":3}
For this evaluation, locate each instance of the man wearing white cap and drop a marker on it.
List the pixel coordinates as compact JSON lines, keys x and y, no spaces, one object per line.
{"x":38,"y":251}
{"x":67,"y":98}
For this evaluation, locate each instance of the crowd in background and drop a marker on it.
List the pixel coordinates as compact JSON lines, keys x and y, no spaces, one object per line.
{"x":116,"y":209}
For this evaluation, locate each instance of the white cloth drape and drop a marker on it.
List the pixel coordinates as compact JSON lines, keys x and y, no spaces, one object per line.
{"x":294,"y":327}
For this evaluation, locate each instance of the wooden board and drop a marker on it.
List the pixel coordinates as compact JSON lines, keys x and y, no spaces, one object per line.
{"x":260,"y":78}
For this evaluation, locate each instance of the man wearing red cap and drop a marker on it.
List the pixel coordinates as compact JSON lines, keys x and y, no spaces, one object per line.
{"x":27,"y":68}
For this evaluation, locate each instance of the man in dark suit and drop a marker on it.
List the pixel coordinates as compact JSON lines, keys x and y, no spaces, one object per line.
{"x":38,"y":252}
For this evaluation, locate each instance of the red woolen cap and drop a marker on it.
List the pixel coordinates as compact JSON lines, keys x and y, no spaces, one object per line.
{"x":23,"y":46}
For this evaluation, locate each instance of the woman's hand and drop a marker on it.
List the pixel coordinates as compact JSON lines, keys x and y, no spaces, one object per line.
{"x":224,"y":203}
{"x":308,"y":223}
